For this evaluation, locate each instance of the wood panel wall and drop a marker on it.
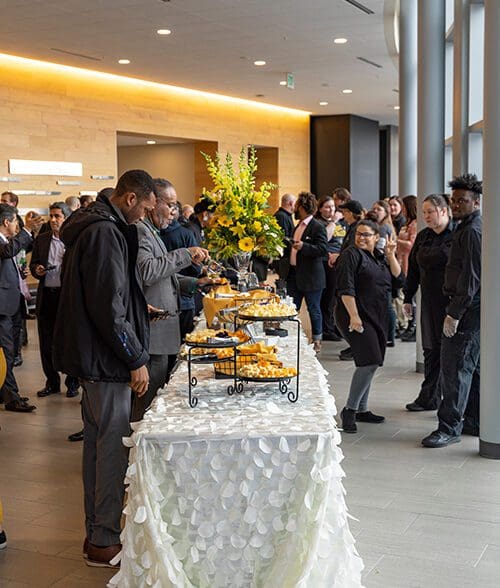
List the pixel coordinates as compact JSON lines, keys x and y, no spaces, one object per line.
{"x":49,"y":112}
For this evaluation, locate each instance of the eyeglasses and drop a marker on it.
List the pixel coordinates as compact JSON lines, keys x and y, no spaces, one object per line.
{"x":365,"y":235}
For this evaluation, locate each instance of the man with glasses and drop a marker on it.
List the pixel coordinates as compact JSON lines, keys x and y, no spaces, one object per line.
{"x":460,"y":346}
{"x":162,"y":287}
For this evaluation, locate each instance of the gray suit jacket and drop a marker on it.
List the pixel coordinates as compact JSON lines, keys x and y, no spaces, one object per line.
{"x":161,"y":286}
{"x":10,"y":294}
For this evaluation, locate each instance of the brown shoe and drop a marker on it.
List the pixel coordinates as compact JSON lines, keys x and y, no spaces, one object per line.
{"x":100,"y":557}
{"x":86,"y":548}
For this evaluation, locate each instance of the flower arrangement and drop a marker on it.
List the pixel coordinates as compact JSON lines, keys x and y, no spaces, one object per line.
{"x":240,"y":222}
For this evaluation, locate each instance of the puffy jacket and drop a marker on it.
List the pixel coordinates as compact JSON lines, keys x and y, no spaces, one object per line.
{"x":102,"y":326}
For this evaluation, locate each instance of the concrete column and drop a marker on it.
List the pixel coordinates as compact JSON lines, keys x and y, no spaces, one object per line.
{"x":461,"y":36}
{"x":489,"y":444}
{"x":431,"y":98}
{"x":407,"y":182}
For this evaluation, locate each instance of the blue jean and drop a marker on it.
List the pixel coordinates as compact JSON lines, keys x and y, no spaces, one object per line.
{"x":313,"y":302}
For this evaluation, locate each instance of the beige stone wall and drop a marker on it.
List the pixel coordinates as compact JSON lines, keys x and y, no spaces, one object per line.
{"x":52,"y":113}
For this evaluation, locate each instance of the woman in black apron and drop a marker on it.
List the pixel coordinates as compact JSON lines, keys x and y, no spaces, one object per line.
{"x":365,"y":276}
{"x":426,"y":266}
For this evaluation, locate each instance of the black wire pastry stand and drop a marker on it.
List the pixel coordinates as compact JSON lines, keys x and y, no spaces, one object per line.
{"x":195,"y":359}
{"x":283,"y":382}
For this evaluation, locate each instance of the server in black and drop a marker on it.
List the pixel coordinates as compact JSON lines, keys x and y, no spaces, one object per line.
{"x":459,"y":410}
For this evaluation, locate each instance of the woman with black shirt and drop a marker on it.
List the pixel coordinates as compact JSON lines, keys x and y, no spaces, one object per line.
{"x":365,"y":277}
{"x":335,"y":233}
{"x":397,"y":216}
{"x":427,"y":262}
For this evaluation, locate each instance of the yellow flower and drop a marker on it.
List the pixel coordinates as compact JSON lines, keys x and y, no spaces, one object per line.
{"x":239,"y":229}
{"x":224,"y":221}
{"x":246,"y":244}
{"x":257,"y":226}
{"x":258,"y":213}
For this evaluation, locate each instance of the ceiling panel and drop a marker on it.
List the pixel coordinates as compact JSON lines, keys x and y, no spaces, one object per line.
{"x":213,"y":46}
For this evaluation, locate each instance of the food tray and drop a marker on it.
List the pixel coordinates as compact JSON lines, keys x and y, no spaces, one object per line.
{"x":263,"y":319}
{"x":265,"y":380}
{"x":215,"y":345}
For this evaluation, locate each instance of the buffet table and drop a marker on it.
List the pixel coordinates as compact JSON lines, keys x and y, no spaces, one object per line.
{"x":240,"y":491}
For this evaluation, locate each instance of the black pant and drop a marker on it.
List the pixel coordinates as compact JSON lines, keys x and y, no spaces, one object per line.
{"x":159,"y":368}
{"x":9,"y":391}
{"x":186,"y":323}
{"x":460,"y":375}
{"x":46,"y":322}
{"x":328,"y":301}
{"x":430,"y":392}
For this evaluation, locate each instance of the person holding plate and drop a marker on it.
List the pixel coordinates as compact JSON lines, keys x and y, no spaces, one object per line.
{"x":365,"y":277}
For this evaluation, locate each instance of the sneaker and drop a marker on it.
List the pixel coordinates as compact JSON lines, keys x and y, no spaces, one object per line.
{"x":440,"y":439}
{"x":369,"y":417}
{"x":101,"y":557}
{"x":3,"y":540}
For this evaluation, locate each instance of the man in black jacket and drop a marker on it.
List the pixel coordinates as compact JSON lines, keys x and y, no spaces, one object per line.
{"x":45,"y":266}
{"x":460,"y":345}
{"x":11,"y":243}
{"x":306,"y":277}
{"x":284,"y":216}
{"x":102,"y":337}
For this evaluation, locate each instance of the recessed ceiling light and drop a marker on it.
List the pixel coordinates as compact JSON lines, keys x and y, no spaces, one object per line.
{"x":164,"y":31}
{"x":259,"y":62}
{"x":340,"y":41}
{"x":283,"y":83}
{"x":323,"y":103}
{"x":124,"y":61}
{"x":151,"y":142}
{"x":347,"y":91}
{"x":396,"y":108}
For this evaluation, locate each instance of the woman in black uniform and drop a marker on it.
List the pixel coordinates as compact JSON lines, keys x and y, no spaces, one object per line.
{"x":426,"y":265}
{"x":365,"y":277}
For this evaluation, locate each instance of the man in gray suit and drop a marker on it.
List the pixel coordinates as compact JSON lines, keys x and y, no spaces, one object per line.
{"x":162,"y":287}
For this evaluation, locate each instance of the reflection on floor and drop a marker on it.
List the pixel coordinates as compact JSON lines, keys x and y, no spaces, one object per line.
{"x":425,"y":517}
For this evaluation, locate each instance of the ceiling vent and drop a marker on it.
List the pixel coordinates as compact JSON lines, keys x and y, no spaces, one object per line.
{"x":360,"y":6}
{"x":82,"y":55}
{"x":372,"y":63}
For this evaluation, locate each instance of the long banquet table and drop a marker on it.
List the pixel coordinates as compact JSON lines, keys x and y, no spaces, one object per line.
{"x":241,"y":491}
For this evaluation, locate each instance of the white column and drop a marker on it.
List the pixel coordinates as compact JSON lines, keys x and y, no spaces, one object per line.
{"x":461,"y":35}
{"x":407,"y":97}
{"x":489,"y":444}
{"x":431,"y":98}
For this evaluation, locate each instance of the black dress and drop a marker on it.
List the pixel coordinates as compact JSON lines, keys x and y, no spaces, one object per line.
{"x":368,"y":278}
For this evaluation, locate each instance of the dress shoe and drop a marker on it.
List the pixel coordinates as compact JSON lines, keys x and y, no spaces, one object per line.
{"x":47,"y":391}
{"x":3,"y":540}
{"x":86,"y":548}
{"x":76,"y":436}
{"x":369,"y":417}
{"x":470,"y":430}
{"x":348,"y":416}
{"x":19,"y":406}
{"x":71,"y":392}
{"x":440,"y":439}
{"x":23,"y":398}
{"x":100,"y":557}
{"x":410,"y":335}
{"x":346,"y":355}
{"x":18,"y":360}
{"x":331,"y":337}
{"x":390,"y":344}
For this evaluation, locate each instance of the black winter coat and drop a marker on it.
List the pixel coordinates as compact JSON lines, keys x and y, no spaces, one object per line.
{"x":102,"y":327}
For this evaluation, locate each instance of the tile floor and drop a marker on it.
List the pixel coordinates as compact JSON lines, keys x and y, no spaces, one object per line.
{"x":426,"y":518}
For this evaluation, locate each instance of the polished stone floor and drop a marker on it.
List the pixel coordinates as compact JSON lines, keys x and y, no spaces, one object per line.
{"x":425,"y":518}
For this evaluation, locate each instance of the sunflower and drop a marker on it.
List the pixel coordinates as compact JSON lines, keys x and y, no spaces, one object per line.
{"x":246,"y":244}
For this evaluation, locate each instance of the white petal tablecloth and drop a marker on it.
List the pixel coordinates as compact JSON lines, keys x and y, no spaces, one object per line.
{"x":241,"y":491}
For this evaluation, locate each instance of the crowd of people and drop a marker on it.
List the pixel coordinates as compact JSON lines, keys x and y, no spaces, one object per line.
{"x":119,"y":283}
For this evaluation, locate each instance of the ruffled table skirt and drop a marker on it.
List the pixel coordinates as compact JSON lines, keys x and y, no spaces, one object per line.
{"x":241,"y":491}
